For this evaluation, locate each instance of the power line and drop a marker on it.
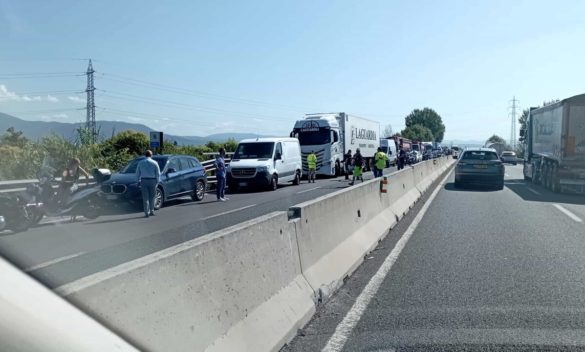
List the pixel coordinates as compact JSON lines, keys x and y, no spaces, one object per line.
{"x":178,"y":90}
{"x":167,"y":103}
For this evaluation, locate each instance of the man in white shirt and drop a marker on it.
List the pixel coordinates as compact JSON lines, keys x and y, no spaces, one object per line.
{"x":148,"y":175}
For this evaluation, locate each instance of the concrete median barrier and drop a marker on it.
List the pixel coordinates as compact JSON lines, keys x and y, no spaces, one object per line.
{"x":238,"y":289}
{"x":402,"y":191}
{"x":336,"y":231}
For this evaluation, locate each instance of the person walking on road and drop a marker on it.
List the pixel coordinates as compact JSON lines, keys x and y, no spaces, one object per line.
{"x":401,"y":158}
{"x":347,"y":163}
{"x":148,"y":176}
{"x":358,"y":165}
{"x":220,"y":176}
{"x":380,"y":160}
{"x":312,"y":165}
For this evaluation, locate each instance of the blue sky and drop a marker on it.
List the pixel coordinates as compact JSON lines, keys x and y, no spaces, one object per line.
{"x":201,"y":67}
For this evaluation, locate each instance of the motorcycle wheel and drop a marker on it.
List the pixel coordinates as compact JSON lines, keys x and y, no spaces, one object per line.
{"x":23,"y":221}
{"x":91,"y":210}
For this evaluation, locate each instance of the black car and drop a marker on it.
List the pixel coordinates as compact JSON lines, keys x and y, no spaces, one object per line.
{"x":181,"y":175}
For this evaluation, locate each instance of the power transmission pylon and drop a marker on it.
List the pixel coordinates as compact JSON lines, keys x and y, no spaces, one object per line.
{"x":90,"y":118}
{"x":513,"y":108}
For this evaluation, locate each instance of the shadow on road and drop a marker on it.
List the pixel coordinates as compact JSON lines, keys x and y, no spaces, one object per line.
{"x":109,"y":221}
{"x":470,"y":187}
{"x":534,"y":193}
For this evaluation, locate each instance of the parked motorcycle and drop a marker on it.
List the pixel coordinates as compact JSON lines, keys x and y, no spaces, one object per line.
{"x":48,"y":197}
{"x":15,"y":214}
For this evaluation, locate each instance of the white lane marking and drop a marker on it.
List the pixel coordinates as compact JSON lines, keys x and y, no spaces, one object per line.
{"x":308,"y":190}
{"x":339,"y":338}
{"x":535,"y":192}
{"x":54,"y":261}
{"x":228,"y":212}
{"x":568,"y":212}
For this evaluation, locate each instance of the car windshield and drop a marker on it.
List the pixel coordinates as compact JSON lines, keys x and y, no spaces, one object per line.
{"x":480,"y":155}
{"x":260,"y":150}
{"x":131,"y":167}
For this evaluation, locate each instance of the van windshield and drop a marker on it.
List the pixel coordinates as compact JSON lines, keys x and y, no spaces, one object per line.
{"x":262,"y":150}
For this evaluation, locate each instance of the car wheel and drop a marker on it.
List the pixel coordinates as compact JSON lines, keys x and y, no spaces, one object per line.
{"x":159,"y":196}
{"x":274,"y":183}
{"x":297,"y":180}
{"x":500,"y":186}
{"x":199,"y":191}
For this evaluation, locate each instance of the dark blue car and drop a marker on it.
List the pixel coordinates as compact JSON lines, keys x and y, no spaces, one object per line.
{"x":181,"y":175}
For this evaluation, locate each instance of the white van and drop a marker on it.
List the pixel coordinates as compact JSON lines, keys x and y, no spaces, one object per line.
{"x":389,"y":147}
{"x":265,"y":162}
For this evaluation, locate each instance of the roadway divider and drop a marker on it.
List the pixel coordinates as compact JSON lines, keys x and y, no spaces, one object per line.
{"x":237,"y":289}
{"x":250,"y":287}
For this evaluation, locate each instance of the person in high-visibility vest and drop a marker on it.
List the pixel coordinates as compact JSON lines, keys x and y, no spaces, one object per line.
{"x":312,"y":165}
{"x":358,"y":164}
{"x":380,"y":163}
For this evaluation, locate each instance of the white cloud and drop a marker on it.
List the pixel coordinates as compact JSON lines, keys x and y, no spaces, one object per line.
{"x":76,"y":99}
{"x":60,"y":116}
{"x":7,"y":95}
{"x":134,"y":119}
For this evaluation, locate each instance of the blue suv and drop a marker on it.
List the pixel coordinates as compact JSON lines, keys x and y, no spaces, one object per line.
{"x":181,"y":175}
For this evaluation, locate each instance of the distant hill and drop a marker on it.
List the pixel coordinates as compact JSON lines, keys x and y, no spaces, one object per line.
{"x":35,"y":130}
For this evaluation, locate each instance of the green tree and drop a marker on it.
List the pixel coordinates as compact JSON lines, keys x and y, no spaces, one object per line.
{"x":428,"y":118}
{"x":134,"y":143}
{"x":14,"y":138}
{"x":496,"y":139}
{"x":418,"y":132}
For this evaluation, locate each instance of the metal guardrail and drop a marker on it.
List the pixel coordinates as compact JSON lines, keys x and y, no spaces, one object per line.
{"x":13,"y":186}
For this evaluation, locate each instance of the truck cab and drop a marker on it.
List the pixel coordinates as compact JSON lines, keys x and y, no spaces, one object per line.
{"x":321,"y":134}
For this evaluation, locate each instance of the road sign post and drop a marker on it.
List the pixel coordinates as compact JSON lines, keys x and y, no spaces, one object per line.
{"x":156,"y":141}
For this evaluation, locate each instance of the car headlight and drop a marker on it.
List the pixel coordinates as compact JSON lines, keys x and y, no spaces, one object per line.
{"x":262,"y":168}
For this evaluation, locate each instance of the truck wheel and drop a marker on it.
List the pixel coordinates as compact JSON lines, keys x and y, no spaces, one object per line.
{"x":555,"y":186}
{"x":337,"y":169}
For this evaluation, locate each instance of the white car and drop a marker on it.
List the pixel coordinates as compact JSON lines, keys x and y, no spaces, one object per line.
{"x":509,"y":157}
{"x":455,"y":151}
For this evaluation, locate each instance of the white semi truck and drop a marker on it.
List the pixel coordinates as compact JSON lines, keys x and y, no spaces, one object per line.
{"x":555,"y":145}
{"x":331,"y":135}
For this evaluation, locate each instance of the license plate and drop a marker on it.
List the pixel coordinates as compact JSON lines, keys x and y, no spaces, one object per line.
{"x":111,"y":197}
{"x":480,"y":166}
{"x":243,"y":184}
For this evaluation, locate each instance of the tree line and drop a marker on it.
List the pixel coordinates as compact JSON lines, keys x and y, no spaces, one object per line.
{"x":421,"y":125}
{"x":21,"y":158}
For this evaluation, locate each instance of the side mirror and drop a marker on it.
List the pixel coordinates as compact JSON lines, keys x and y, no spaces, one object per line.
{"x":171,"y":170}
{"x":277,"y":156}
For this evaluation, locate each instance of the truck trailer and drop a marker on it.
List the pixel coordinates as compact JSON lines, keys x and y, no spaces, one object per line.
{"x":555,"y":146}
{"x":331,"y":135}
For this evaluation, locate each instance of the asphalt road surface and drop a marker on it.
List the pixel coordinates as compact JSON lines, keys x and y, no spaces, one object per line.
{"x":58,"y":251}
{"x":481,"y":270}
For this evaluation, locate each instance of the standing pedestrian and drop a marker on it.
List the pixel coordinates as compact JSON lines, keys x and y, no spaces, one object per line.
{"x":220,"y":176}
{"x":312,"y":165}
{"x":380,"y":163}
{"x":401,"y":158}
{"x":347,"y":163}
{"x":148,"y":176}
{"x":358,"y":165}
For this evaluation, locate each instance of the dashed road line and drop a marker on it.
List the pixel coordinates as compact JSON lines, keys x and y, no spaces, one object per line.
{"x":54,"y":261}
{"x":534,"y":191}
{"x":568,"y":213}
{"x":308,"y":190}
{"x":228,"y":212}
